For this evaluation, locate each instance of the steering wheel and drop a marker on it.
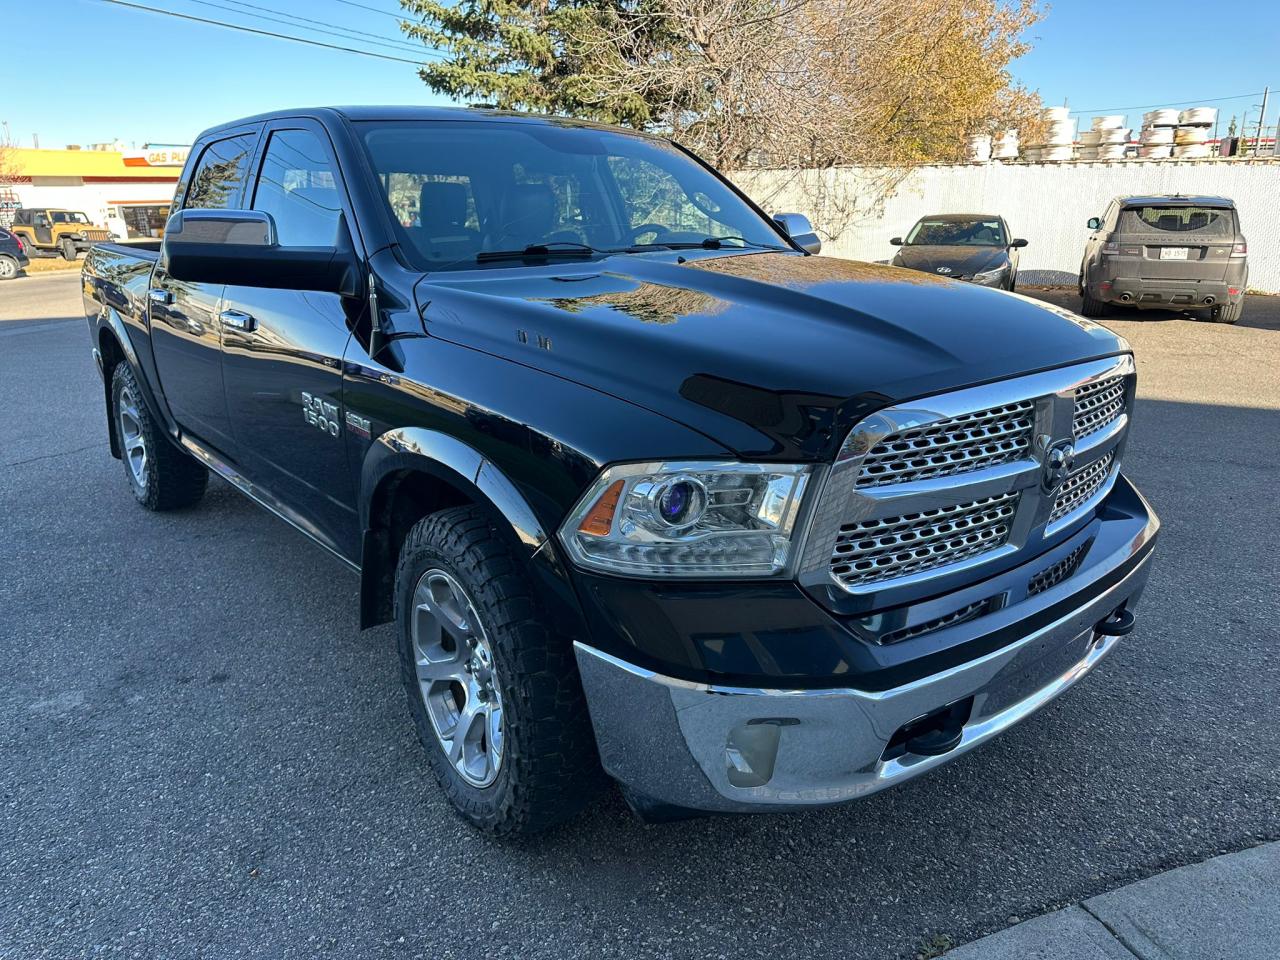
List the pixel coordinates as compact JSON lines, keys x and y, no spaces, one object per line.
{"x":657,"y":229}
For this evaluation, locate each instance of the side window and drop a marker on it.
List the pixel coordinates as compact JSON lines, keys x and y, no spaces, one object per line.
{"x":220,"y":174}
{"x":297,"y":186}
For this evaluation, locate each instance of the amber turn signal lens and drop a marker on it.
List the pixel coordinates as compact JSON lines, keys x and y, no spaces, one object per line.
{"x":599,"y":519}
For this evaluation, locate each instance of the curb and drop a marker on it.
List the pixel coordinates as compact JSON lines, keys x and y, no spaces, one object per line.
{"x":1227,"y":908}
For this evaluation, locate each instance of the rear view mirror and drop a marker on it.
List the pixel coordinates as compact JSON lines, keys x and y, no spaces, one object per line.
{"x":896,"y":241}
{"x":1094,"y":223}
{"x":1018,"y":243}
{"x":800,"y":230}
{"x":240,"y":247}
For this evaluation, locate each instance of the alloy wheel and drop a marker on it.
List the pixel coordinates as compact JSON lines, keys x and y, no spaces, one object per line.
{"x":457,"y":678}
{"x":132,"y":440}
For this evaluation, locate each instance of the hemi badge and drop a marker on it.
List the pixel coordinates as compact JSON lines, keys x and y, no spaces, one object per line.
{"x":358,"y":425}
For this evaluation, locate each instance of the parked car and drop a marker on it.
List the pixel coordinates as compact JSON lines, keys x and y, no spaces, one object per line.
{"x":48,"y":231}
{"x":641,"y":483}
{"x":962,"y":246}
{"x":13,"y":255}
{"x":1167,"y":252}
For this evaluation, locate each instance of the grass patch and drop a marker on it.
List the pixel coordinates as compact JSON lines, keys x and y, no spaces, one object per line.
{"x":935,"y":946}
{"x":50,"y":265}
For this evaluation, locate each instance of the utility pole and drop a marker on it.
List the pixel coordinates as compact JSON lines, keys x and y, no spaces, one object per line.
{"x":1262,"y":116}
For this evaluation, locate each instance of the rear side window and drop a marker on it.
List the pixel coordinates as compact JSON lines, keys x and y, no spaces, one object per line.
{"x":298,"y":187}
{"x":1217,"y":221}
{"x":220,"y":175}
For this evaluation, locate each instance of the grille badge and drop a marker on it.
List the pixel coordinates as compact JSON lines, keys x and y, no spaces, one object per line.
{"x":1057,"y":461}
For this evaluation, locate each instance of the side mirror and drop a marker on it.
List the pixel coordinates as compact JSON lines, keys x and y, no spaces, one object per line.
{"x":896,"y":241}
{"x":1094,"y":223}
{"x":1018,"y":243}
{"x":800,"y":230}
{"x":240,"y":247}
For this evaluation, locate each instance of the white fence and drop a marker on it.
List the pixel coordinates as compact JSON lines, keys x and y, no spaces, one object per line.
{"x":1048,"y":204}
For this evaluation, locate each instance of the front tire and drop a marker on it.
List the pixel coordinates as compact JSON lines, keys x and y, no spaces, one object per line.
{"x":161,"y":476}
{"x":68,"y":250}
{"x":493,"y":689}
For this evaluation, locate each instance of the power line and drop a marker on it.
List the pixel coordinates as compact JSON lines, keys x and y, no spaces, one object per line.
{"x":297,"y":19}
{"x":290,"y":23}
{"x":1183,"y":103}
{"x":362,"y":6}
{"x":265,"y":33}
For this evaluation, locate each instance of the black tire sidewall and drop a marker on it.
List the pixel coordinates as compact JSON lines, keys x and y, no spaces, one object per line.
{"x":121,"y":378}
{"x":478,"y":804}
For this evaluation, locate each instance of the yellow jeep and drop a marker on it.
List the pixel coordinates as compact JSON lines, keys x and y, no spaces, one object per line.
{"x":48,"y":231}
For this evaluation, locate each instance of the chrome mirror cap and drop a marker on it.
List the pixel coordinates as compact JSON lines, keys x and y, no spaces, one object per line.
{"x":800,"y":230}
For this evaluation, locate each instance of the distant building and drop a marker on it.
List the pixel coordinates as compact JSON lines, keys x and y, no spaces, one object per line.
{"x":131,"y":189}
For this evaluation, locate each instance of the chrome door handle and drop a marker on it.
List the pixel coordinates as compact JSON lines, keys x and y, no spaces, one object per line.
{"x":160,"y":297}
{"x":238,"y":320}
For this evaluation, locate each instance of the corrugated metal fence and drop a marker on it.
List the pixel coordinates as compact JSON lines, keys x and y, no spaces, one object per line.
{"x":1048,"y":204}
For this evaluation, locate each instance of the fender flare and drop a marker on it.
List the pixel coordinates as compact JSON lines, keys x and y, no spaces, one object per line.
{"x":450,"y":459}
{"x":446,"y":458}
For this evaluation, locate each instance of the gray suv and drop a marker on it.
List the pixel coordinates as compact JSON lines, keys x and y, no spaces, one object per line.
{"x":1170,"y":251}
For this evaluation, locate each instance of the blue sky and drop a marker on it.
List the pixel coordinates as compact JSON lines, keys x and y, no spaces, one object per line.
{"x":152,"y":78}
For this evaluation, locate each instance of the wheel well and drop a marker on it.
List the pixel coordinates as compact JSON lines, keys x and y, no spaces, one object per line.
{"x":111,"y":354}
{"x":401,"y":500}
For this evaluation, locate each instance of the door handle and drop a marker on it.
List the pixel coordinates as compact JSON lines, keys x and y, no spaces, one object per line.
{"x":160,"y":297}
{"x":238,"y":320}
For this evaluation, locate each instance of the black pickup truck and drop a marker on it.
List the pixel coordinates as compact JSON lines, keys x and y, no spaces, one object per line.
{"x":643,"y":483}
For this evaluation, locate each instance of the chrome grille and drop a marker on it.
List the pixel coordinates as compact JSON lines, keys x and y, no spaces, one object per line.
{"x":893,"y":547}
{"x":1080,"y":486}
{"x":963,"y":615}
{"x":1055,"y":573}
{"x":1097,"y":404}
{"x":951,"y":446}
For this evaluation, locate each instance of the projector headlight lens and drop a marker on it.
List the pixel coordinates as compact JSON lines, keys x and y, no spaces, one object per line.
{"x":688,"y":519}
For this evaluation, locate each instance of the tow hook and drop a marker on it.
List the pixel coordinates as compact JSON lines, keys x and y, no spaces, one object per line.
{"x":1118,"y":624}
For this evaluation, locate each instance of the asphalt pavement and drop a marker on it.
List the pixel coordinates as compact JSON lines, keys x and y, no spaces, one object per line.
{"x":201,"y":756}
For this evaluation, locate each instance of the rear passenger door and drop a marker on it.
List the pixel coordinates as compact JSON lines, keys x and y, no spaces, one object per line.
{"x":186,"y":335}
{"x":282,"y":349}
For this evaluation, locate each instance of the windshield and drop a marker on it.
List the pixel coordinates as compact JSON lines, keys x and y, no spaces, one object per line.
{"x":69,"y":216}
{"x":957,"y":233}
{"x":462,"y":192}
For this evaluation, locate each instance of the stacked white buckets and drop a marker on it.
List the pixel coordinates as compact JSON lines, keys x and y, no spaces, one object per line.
{"x":1156,"y":138}
{"x":1106,"y":139}
{"x":1190,"y":139}
{"x":1060,"y":135}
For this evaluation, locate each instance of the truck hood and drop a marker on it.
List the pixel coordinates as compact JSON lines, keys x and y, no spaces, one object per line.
{"x":955,"y":261}
{"x":773,"y":355}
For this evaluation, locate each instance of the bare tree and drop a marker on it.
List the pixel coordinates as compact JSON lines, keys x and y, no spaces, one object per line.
{"x":8,"y":176}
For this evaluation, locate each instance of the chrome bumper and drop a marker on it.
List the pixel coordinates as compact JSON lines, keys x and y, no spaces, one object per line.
{"x":733,"y":749}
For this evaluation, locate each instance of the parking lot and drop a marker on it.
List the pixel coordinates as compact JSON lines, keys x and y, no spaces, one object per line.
{"x":204,"y":757}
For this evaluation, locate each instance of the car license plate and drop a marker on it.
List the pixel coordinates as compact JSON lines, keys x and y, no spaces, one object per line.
{"x":1173,"y":253}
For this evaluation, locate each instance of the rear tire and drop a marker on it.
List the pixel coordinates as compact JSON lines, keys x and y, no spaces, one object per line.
{"x":8,"y":267}
{"x":161,"y":475}
{"x":475,"y":642}
{"x":1227,"y":312}
{"x":1090,"y":307}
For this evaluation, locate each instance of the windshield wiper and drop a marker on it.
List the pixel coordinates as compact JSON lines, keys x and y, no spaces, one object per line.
{"x":712,"y":243}
{"x":556,"y":248}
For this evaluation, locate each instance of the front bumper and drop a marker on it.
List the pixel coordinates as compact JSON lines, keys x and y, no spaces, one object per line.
{"x":738,"y":749}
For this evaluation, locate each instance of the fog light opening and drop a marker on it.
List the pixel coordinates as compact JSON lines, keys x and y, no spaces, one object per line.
{"x":752,"y":750}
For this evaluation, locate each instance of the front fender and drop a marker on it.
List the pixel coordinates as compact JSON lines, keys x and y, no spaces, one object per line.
{"x":451,"y":460}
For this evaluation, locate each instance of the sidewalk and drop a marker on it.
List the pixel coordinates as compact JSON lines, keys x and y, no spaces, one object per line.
{"x":1227,"y":908}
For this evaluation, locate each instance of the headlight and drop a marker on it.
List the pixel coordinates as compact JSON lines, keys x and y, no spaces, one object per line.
{"x":990,"y":276}
{"x":690,"y":519}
